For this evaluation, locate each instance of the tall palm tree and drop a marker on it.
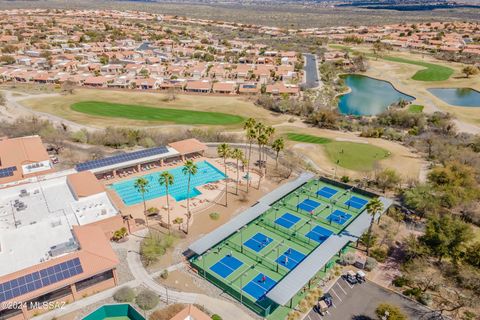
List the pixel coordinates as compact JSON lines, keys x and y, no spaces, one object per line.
{"x":251,"y":136}
{"x":374,"y":207}
{"x":141,"y":185}
{"x":166,"y":179}
{"x":237,"y":154}
{"x":260,"y":130}
{"x":269,"y":131}
{"x":278,"y":145}
{"x":190,"y":169}
{"x":262,"y":140}
{"x":224,"y":151}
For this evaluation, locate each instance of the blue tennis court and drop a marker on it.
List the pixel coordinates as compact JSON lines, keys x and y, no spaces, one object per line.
{"x":319,"y":234}
{"x":308,"y":205}
{"x":259,"y":286}
{"x":287,"y":220}
{"x":290,"y":258}
{"x":339,"y":217}
{"x":226,"y":266}
{"x":327,"y":192}
{"x":258,"y":242}
{"x":356,"y":202}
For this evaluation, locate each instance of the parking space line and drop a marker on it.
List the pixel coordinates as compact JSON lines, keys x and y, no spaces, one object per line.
{"x":338,"y":284}
{"x":351,"y":286}
{"x":336,"y":295}
{"x":333,"y":304}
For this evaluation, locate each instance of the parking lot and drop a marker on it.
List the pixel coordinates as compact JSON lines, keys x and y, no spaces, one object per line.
{"x":359,"y":301}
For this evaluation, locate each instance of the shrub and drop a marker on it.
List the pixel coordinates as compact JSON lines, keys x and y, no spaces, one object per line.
{"x":400,"y":281}
{"x":380,"y":254}
{"x":345,"y":179}
{"x":348,"y":259}
{"x":303,"y":305}
{"x":154,"y":246}
{"x":167,"y":313}
{"x":394,"y":312}
{"x":425,"y":299}
{"x":370,"y":264}
{"x":164,"y":274}
{"x":125,"y":294}
{"x":413,"y":292}
{"x":216,"y":317}
{"x":214,"y":215}
{"x":293,"y":315}
{"x":147,"y":300}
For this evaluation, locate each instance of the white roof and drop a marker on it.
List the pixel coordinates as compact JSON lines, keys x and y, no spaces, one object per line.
{"x":26,"y":236}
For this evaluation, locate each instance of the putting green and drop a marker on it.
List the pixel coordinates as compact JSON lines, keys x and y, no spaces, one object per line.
{"x":138,"y":112}
{"x":350,"y":155}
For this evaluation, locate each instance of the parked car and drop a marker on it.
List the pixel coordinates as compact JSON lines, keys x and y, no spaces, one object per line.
{"x":351,"y":277}
{"x":321,"y":307}
{"x":327,"y":297}
{"x":361,"y":276}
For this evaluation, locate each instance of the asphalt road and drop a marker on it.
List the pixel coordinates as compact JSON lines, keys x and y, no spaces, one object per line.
{"x":311,"y":72}
{"x":358,"y":302}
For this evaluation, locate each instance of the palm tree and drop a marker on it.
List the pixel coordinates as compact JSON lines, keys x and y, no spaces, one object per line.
{"x":278,"y":145}
{"x":141,"y":185}
{"x":224,"y":151}
{"x":167,"y":180}
{"x":260,"y":130}
{"x":269,"y":131}
{"x":190,"y":169}
{"x":262,"y":140}
{"x":237,"y":154}
{"x":374,"y":207}
{"x":251,"y":136}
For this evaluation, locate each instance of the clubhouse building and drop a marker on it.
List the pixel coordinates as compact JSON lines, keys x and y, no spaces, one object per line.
{"x":56,"y":226}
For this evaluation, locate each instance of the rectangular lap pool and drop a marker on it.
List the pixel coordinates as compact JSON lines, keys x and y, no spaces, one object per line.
{"x":206,"y":173}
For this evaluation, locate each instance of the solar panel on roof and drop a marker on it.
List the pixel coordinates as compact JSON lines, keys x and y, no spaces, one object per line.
{"x":39,"y":279}
{"x":93,"y":164}
{"x":7,"y":172}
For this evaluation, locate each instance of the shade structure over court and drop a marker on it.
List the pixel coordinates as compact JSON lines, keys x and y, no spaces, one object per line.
{"x":219,"y":234}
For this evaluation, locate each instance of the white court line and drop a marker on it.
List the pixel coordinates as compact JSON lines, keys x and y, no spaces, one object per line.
{"x":341,"y":288}
{"x":336,"y":295}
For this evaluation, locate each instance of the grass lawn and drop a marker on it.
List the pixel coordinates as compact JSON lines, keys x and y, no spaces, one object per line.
{"x":350,"y":155}
{"x":415,"y":108}
{"x":433,"y":72}
{"x":307,"y":138}
{"x":138,"y":112}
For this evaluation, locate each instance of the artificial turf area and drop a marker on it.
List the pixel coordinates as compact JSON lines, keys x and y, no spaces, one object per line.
{"x":249,"y":263}
{"x":138,"y":112}
{"x":349,"y":155}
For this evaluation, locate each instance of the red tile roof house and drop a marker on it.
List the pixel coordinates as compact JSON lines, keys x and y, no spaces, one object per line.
{"x":280,"y":88}
{"x":147,"y":83}
{"x":225,"y":87}
{"x":249,"y":88}
{"x":198,"y":86}
{"x":97,"y":81}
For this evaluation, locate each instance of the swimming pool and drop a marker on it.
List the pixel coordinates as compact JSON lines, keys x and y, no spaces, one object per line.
{"x":206,"y":173}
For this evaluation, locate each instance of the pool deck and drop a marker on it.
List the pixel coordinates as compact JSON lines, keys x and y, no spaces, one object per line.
{"x":207,"y":198}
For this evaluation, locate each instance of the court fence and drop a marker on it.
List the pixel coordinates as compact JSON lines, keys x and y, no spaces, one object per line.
{"x":263,"y":307}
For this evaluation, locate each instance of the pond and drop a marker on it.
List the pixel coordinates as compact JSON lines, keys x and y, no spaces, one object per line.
{"x":463,"y":97}
{"x":368,"y":96}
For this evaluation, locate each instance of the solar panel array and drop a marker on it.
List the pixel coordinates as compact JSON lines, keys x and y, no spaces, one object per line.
{"x":37,"y":280}
{"x":93,"y":164}
{"x":7,"y":172}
